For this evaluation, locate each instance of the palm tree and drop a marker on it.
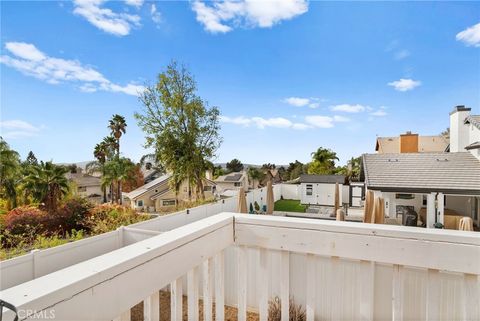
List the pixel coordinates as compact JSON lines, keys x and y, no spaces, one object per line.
{"x":9,"y":172}
{"x":324,"y":160}
{"x":117,"y":171}
{"x":47,"y":183}
{"x":100,"y":152}
{"x":117,"y":127}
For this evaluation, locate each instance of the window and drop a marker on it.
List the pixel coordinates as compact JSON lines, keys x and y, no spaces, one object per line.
{"x":139,"y":203}
{"x":168,"y":203}
{"x":82,"y":188}
{"x":207,"y":188}
{"x":309,"y":190}
{"x":404,"y":196}
{"x":238,"y":184}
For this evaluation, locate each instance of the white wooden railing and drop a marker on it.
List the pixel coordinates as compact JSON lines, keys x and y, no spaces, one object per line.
{"x":336,"y":270}
{"x":41,"y":262}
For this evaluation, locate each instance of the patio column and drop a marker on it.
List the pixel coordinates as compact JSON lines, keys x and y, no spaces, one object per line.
{"x":430,"y":210}
{"x":440,"y":207}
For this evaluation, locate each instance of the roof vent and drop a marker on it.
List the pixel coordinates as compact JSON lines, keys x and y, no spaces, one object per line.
{"x":442,"y":160}
{"x":395,"y":160}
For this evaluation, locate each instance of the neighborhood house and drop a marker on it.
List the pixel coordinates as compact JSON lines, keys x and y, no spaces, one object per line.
{"x":320,"y":189}
{"x":158,"y":195}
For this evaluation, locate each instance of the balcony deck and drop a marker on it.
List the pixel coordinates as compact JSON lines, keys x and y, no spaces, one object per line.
{"x":336,"y":270}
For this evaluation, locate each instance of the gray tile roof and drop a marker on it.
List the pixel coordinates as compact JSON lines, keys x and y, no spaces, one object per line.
{"x":474,"y":120}
{"x":328,"y":179}
{"x":454,"y":173}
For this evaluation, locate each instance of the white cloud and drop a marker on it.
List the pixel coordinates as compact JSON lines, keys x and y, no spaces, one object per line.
{"x":222,"y":16}
{"x":118,"y":24}
{"x":470,"y":36}
{"x":349,"y":108}
{"x":402,"y":54}
{"x":156,"y":16}
{"x":297,"y":101}
{"x":301,"y":102}
{"x":341,"y":119}
{"x":134,"y":3}
{"x":404,"y":84}
{"x":262,"y":123}
{"x":13,"y":129}
{"x":320,"y":121}
{"x":380,"y":112}
{"x":25,"y":51}
{"x":32,"y":62}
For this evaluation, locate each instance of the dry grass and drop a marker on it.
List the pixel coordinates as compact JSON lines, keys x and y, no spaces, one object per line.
{"x":297,"y":312}
{"x":230,"y":312}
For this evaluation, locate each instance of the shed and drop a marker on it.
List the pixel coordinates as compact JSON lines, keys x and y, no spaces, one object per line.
{"x":320,"y":189}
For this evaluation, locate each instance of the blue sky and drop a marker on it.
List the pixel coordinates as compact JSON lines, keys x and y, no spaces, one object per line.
{"x":288,"y":77}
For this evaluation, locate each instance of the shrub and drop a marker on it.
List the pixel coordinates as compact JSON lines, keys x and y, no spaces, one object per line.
{"x":71,"y":216}
{"x":257,"y":207}
{"x":107,"y":217}
{"x":25,"y":220}
{"x":296,"y":312}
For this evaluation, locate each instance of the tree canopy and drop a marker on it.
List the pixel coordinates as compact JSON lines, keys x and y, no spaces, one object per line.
{"x":180,"y":126}
{"x":234,"y":165}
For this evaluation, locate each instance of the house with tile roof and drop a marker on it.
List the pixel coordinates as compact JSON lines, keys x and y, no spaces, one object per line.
{"x":232,"y":182}
{"x":441,"y":186}
{"x":158,"y":195}
{"x":411,"y":143}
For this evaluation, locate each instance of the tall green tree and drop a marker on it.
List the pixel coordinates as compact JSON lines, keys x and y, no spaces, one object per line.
{"x":118,"y":127}
{"x":10,"y":173}
{"x":255,"y":175}
{"x":116,"y":172}
{"x":180,"y":126}
{"x":101,"y":152}
{"x":234,"y":165}
{"x":323,"y":161}
{"x":47,"y":184}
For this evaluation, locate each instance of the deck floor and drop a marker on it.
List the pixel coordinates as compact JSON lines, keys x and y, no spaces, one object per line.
{"x":230,"y":312}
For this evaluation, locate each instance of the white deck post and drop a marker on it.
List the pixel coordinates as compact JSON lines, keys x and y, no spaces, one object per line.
{"x":151,"y":307}
{"x":220,"y":286}
{"x":311,"y":282}
{"x":397,"y":293}
{"x":263,"y":284}
{"x":192,"y":287}
{"x":242,"y":282}
{"x":176,"y":298}
{"x":431,"y":210}
{"x":207,"y":290}
{"x":285,"y":285}
{"x":440,"y":207}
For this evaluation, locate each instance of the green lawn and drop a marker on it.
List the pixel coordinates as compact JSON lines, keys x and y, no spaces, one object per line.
{"x":289,"y":206}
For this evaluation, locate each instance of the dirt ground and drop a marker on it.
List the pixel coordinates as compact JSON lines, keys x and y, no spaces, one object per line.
{"x":230,"y":313}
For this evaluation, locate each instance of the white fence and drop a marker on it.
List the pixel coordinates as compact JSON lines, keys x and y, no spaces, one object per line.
{"x":38,"y":263}
{"x":337,"y":270}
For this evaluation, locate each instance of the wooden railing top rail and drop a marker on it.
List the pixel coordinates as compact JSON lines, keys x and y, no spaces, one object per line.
{"x":134,"y":271}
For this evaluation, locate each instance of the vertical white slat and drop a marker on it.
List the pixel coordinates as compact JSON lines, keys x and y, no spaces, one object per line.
{"x":430,"y":210}
{"x":397,"y":293}
{"x":263,"y":284}
{"x":285,"y":285}
{"x":471,"y":293}
{"x":151,"y":307}
{"x":367,"y":289}
{"x":125,"y":316}
{"x":337,"y":305}
{"x":441,"y":208}
{"x":192,"y":288}
{"x":207,"y":289}
{"x":242,"y":282}
{"x":433,"y":295}
{"x":176,"y":298}
{"x":311,"y":281}
{"x":220,"y":286}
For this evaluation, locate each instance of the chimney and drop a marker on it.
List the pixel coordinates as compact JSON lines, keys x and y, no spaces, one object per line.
{"x":409,"y":143}
{"x":458,"y":129}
